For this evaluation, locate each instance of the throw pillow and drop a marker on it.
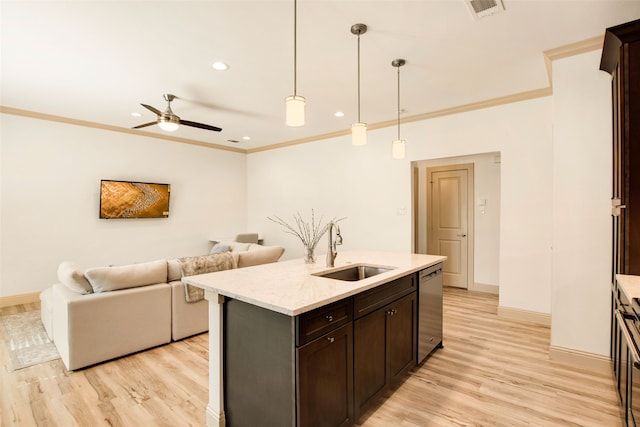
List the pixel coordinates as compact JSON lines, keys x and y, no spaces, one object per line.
{"x":71,"y":276}
{"x":105,"y":279}
{"x":238,"y":246}
{"x":219,"y":248}
{"x":260,"y":256}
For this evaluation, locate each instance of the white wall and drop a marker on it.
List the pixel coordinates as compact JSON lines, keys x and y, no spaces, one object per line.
{"x":50,"y":178}
{"x":368,"y":186}
{"x":582,"y":205}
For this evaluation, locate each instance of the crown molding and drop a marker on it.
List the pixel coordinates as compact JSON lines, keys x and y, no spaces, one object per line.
{"x":584,"y":46}
{"x":95,"y":125}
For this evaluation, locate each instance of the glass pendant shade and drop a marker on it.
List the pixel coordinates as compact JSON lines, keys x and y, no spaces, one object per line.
{"x":398,"y":150}
{"x":295,"y":110}
{"x":359,"y":133}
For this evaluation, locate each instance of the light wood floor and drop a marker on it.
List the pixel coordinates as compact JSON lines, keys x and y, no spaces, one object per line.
{"x":491,"y":372}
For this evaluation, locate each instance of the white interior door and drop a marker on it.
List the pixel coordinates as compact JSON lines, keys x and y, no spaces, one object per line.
{"x":448,"y":214}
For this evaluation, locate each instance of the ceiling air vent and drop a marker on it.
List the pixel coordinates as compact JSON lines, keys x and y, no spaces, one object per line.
{"x":484,"y":8}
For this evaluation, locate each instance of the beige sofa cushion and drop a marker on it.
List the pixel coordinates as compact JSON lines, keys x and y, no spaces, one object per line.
{"x":174,"y":270}
{"x":70,"y":275}
{"x":262,"y":255}
{"x":105,"y":279}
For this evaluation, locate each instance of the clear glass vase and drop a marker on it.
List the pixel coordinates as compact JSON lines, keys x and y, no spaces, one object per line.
{"x":309,"y":255}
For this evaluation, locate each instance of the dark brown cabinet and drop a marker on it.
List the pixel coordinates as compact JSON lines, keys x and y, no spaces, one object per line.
{"x":621,"y":59}
{"x":384,"y":342}
{"x":325,"y":380}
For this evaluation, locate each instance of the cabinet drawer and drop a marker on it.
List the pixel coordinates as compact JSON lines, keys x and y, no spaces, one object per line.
{"x":378,"y":297}
{"x":318,"y":322}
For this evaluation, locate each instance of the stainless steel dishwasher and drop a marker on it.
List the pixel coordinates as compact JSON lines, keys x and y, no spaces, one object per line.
{"x":429,"y":310}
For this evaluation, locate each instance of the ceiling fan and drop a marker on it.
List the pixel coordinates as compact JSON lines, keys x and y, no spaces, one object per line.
{"x":169,"y":121}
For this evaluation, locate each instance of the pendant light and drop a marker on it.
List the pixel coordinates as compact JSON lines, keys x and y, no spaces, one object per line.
{"x":398,"y":150}
{"x":359,"y":130}
{"x":294,"y":104}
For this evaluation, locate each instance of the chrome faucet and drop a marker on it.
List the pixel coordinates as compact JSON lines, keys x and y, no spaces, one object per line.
{"x":332,"y":253}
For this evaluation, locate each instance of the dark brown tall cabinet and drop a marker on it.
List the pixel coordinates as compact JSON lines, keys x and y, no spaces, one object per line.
{"x":621,"y":59}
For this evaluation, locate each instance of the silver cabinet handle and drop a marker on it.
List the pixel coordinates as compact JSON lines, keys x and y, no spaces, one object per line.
{"x":331,"y":339}
{"x":329,"y":318}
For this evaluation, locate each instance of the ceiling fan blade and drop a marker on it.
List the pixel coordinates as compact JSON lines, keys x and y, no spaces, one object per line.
{"x":200,"y":125}
{"x":150,"y":108}
{"x":144,"y":125}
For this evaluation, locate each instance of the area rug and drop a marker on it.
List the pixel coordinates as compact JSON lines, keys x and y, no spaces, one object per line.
{"x":26,"y":340}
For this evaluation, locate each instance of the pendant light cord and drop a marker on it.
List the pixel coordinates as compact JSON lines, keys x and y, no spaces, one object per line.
{"x":295,"y":48}
{"x":398,"y":103}
{"x":359,"y":78}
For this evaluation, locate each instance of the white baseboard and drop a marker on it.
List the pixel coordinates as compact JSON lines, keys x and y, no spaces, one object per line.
{"x":214,"y":419}
{"x":19,"y":299}
{"x":487,"y":289}
{"x":525,"y":315}
{"x":581,"y":359}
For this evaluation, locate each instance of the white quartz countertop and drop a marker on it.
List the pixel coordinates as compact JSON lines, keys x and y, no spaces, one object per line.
{"x":630,"y":285}
{"x":289,"y":287}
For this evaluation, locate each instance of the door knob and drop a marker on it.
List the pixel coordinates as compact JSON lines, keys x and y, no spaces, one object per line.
{"x":461,"y":235}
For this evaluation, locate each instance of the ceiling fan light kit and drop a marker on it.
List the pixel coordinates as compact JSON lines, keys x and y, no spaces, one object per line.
{"x":359,"y":130}
{"x":295,"y":105}
{"x":169,"y":123}
{"x":398,"y":146}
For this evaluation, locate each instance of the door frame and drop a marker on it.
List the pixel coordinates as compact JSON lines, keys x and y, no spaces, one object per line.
{"x":422,"y":204}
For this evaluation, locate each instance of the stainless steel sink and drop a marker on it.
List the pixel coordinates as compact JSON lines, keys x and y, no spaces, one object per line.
{"x":354,"y":273}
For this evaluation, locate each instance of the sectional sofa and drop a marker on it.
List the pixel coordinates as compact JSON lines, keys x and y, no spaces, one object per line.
{"x":107,"y":312}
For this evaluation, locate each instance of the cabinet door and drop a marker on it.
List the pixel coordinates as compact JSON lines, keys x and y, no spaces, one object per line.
{"x":621,"y":58}
{"x":325,"y":380}
{"x":401,"y":335}
{"x":370,"y":358}
{"x":384,"y":349}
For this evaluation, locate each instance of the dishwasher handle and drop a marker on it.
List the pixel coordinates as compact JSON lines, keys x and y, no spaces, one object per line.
{"x":428,"y":275}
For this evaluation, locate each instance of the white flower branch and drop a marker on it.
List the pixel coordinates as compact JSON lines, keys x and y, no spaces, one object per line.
{"x":308,"y":233}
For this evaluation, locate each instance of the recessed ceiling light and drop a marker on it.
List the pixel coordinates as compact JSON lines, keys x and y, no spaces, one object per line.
{"x":246,"y":138}
{"x":338,"y":114}
{"x":220,"y":66}
{"x":136,"y":114}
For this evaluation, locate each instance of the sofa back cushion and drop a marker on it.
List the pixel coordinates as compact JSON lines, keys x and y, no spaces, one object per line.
{"x":174,"y":271}
{"x":105,"y":279}
{"x":262,"y":255}
{"x":70,"y":275}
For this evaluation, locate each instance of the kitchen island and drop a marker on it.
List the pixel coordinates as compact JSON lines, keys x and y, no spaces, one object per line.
{"x":290,"y":347}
